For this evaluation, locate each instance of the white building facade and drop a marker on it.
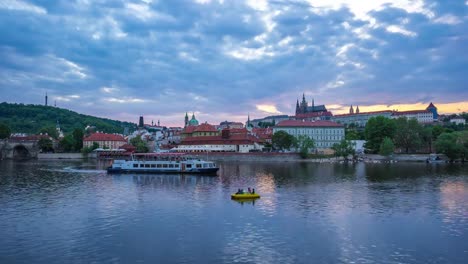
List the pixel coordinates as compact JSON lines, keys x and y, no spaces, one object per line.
{"x":324,"y":133}
{"x":422,"y":116}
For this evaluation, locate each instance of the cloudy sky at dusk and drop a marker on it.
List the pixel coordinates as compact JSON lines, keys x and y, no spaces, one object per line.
{"x":225,"y":59}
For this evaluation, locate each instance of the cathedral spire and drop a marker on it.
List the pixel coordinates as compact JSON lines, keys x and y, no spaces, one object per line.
{"x":351,"y":110}
{"x":297,"y":106}
{"x":357,"y":109}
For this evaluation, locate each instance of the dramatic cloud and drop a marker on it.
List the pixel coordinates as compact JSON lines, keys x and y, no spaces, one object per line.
{"x":225,"y":59}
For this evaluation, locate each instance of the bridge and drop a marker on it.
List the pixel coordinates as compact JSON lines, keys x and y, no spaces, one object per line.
{"x":18,"y":149}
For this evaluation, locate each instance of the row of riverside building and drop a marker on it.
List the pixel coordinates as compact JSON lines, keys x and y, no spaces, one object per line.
{"x":314,"y":121}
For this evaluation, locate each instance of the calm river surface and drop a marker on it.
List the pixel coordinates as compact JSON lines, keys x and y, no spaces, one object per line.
{"x":73,"y":212}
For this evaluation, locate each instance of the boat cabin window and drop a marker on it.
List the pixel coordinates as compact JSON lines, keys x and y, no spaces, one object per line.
{"x":171,"y":165}
{"x":158,"y":165}
{"x":176,"y":165}
{"x":135,"y":165}
{"x":164,"y":165}
{"x":205,"y":165}
{"x":147,"y":165}
{"x":142,"y":165}
{"x":199,"y":165}
{"x":189,"y":166}
{"x":153,"y":165}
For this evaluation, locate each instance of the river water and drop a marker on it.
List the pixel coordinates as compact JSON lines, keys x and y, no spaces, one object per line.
{"x":73,"y":212}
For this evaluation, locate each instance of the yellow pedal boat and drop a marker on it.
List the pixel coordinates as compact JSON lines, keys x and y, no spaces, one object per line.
{"x":245,"y":196}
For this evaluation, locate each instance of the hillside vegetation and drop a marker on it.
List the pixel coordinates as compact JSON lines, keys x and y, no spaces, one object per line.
{"x":23,"y":118}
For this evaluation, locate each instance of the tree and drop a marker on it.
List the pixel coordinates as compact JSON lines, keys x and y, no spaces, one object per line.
{"x":462,"y":141}
{"x":51,"y":131}
{"x":426,"y":137}
{"x":139,"y":144}
{"x":387,"y":147}
{"x":5,"y":131}
{"x":78,"y":139}
{"x":446,"y":144}
{"x":304,"y":143}
{"x":343,"y":149}
{"x":45,"y":144}
{"x":377,"y":128}
{"x":407,"y":134}
{"x":95,"y":146}
{"x":67,"y":143}
{"x":89,"y":149}
{"x":352,"y":132}
{"x":282,"y":140}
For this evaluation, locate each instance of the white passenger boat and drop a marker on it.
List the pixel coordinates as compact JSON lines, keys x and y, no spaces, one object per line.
{"x":162,"y":163}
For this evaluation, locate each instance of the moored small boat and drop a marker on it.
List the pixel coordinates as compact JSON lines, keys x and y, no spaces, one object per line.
{"x":238,"y":196}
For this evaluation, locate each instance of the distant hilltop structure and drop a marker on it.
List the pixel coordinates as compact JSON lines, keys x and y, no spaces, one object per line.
{"x":360,"y":119}
{"x":310,"y":113}
{"x":304,"y":108}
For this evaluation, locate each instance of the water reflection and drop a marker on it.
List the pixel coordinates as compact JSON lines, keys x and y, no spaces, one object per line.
{"x":72,"y":211}
{"x":454,"y":200}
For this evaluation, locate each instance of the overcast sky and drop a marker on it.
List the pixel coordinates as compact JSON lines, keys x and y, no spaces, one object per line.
{"x":225,"y":59}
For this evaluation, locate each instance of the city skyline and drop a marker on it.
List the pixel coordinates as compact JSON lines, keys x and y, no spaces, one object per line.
{"x":224,"y":60}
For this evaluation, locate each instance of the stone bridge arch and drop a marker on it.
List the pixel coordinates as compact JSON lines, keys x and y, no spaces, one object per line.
{"x":20,"y":152}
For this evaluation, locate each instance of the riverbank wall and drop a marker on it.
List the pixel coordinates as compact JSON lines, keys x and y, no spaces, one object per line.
{"x":258,"y":157}
{"x":54,"y":156}
{"x":251,"y":157}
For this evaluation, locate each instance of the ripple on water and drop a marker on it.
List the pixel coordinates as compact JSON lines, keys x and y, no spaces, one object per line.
{"x":323,"y":213}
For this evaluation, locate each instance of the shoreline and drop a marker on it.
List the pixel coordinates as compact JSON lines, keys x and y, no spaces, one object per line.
{"x":261,"y":157}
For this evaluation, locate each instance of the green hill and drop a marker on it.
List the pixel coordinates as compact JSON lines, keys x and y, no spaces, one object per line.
{"x":32,"y":118}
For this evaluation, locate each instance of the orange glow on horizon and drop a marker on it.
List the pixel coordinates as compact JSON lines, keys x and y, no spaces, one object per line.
{"x":442,"y":108}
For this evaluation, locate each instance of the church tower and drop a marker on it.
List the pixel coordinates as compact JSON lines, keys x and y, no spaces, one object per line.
{"x":297,"y":106}
{"x":432,"y":108}
{"x":357,"y":109}
{"x":313,"y":106}
{"x":303,"y":105}
{"x":141,"y":124}
{"x":351,"y":110}
{"x":186,"y":119}
{"x":46,"y":99}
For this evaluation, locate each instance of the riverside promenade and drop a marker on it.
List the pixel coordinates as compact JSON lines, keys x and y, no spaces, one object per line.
{"x":260,"y":157}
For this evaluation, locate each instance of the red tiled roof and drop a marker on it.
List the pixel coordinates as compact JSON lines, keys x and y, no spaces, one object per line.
{"x":366,"y":113}
{"x":300,"y":123}
{"x":128,"y":147}
{"x":218,"y":140}
{"x":205,"y":128}
{"x":189,"y":129}
{"x":104,"y":137}
{"x":266,"y":131}
{"x":236,"y":131}
{"x":314,"y":114}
